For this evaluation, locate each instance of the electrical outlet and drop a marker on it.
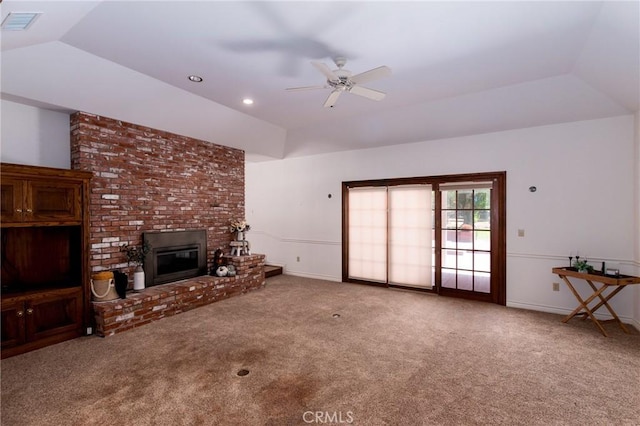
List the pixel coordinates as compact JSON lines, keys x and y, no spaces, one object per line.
{"x":520,"y":232}
{"x":298,"y":259}
{"x":556,"y":286}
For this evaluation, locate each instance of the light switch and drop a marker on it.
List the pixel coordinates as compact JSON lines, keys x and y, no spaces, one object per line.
{"x":520,"y":232}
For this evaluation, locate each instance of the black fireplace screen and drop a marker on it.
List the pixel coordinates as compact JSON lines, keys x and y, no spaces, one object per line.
{"x":175,"y":256}
{"x":177,"y":260}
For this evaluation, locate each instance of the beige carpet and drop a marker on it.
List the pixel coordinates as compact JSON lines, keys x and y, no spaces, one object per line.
{"x":390,"y":358}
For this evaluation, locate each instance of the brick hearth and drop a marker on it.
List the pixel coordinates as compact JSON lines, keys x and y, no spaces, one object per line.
{"x":157,"y":302}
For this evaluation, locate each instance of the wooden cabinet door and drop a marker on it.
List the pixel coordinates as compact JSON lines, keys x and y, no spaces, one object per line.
{"x":59,"y":201}
{"x":11,"y":194}
{"x":13,"y":320}
{"x":54,"y":314}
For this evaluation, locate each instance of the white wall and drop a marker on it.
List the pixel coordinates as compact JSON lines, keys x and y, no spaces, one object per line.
{"x":637,"y":219}
{"x":584,"y":172}
{"x":34,"y":136}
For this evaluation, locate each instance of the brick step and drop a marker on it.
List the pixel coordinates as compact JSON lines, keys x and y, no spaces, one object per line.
{"x":271,"y":270}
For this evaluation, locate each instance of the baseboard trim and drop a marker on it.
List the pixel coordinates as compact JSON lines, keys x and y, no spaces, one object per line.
{"x":316,"y":276}
{"x":565,"y":311}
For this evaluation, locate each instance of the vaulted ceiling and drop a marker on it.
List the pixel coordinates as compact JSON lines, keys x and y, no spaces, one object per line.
{"x":458,"y":68}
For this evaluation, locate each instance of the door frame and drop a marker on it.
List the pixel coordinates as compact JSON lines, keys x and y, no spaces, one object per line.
{"x":498,"y":293}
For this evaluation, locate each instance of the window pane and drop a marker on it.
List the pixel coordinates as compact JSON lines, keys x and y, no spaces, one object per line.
{"x":450,"y":220}
{"x":482,"y":282}
{"x":465,"y":280}
{"x":482,"y":219}
{"x":449,"y":278}
{"x":482,"y":240}
{"x":465,"y":199}
{"x":481,"y":199}
{"x":448,"y":199}
{"x":482,"y":261}
{"x":465,"y":259}
{"x":449,"y":238}
{"x":449,"y":258}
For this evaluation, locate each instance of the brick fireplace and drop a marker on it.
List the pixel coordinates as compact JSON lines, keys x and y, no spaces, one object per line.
{"x":148,"y":180}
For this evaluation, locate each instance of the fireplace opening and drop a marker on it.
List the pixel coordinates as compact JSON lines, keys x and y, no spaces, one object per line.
{"x":175,"y":256}
{"x":177,"y":260}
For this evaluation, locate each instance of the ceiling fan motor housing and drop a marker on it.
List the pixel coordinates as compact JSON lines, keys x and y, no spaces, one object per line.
{"x":341,"y":80}
{"x":343,"y":83}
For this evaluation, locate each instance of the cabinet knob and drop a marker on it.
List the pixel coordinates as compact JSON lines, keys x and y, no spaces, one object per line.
{"x":19,"y":314}
{"x":19,"y":210}
{"x":30,"y":311}
{"x":29,"y":211}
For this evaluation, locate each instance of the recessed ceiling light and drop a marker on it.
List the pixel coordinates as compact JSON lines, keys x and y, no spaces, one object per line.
{"x":247,"y":101}
{"x":18,"y":21}
{"x":195,"y":78}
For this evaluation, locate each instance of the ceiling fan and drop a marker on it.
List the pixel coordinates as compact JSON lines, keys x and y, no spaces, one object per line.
{"x":342,"y":80}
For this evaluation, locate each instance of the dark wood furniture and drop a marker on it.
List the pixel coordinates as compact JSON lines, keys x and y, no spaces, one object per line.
{"x":617,"y":283}
{"x":45,"y":248}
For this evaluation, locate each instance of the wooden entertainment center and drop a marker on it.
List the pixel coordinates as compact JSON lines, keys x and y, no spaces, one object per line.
{"x":45,"y":249}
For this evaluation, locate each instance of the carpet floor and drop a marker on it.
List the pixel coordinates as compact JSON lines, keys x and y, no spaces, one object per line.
{"x":320,"y":352}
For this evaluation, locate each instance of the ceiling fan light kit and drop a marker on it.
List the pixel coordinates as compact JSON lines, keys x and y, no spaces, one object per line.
{"x":341,"y":80}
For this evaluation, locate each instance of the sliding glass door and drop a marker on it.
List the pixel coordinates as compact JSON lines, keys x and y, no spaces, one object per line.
{"x":443,"y":234}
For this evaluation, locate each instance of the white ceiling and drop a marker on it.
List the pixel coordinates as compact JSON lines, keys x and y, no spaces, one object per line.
{"x":459,"y":68}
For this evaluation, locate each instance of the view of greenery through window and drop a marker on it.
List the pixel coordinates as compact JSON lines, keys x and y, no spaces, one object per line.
{"x":466,"y":242}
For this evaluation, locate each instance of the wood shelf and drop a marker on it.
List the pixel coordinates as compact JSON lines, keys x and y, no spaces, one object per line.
{"x":45,"y":241}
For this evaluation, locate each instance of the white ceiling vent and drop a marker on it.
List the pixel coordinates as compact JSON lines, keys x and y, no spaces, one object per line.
{"x":19,"y":21}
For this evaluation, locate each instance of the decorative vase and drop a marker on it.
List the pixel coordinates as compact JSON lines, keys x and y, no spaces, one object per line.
{"x":122,"y":282}
{"x":138,"y":279}
{"x":240,"y":236}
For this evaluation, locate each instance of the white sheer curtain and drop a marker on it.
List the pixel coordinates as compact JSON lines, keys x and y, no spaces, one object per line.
{"x":390,"y":234}
{"x":368,"y":233}
{"x":410,"y":235}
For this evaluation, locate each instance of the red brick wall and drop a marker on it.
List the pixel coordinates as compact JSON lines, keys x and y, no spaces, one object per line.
{"x":148,"y":179}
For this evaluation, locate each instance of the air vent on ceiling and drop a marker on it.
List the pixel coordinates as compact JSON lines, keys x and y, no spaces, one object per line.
{"x":19,"y":21}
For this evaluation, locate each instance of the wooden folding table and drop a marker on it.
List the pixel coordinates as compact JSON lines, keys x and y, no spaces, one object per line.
{"x":617,"y":283}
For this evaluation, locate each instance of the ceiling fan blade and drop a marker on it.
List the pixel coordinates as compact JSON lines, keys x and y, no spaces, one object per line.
{"x":296,"y":89}
{"x":374,"y":74}
{"x":324,"y":69}
{"x":332,"y":99}
{"x":367,"y":93}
